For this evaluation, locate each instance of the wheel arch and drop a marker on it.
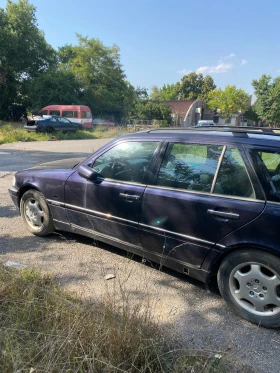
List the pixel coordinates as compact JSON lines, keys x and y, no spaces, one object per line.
{"x":214,"y":267}
{"x":24,"y":189}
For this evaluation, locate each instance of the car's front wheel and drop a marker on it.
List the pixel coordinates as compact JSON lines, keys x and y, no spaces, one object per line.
{"x":249,"y":281}
{"x":36,"y":213}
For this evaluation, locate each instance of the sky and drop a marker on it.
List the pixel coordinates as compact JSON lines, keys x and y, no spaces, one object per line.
{"x":235,"y":41}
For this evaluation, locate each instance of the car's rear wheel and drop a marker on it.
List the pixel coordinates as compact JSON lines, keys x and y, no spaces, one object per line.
{"x":36,"y":213}
{"x":249,"y":281}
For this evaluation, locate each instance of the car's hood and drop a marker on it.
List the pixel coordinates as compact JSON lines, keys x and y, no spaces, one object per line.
{"x":61,"y":164}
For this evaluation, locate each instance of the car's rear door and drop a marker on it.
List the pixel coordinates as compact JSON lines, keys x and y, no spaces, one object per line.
{"x":199,"y":194}
{"x":110,"y":207}
{"x":65,"y":124}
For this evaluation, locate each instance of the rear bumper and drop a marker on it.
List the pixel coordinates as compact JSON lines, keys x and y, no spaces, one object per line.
{"x":14,"y":196}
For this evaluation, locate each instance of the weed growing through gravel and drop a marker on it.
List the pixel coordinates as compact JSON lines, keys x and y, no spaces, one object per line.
{"x":45,"y":329}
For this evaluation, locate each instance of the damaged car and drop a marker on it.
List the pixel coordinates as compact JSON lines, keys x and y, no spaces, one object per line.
{"x":51,"y":124}
{"x":204,"y":202}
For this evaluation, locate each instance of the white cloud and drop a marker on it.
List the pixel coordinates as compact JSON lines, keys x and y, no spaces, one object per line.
{"x":243,"y":62}
{"x":219,"y":69}
{"x":224,"y":58}
{"x":184,"y":72}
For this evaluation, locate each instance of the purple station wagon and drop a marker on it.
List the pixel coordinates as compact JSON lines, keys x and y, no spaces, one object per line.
{"x":205,"y":202}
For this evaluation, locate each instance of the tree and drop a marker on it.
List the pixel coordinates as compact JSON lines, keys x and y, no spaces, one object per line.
{"x":190,"y":86}
{"x":251,"y":114}
{"x":24,"y":53}
{"x":149,"y":110}
{"x":229,"y":101}
{"x":267,"y":105}
{"x":99,"y":72}
{"x":208,"y":86}
{"x":194,"y":86}
{"x":54,"y":87}
{"x":29,"y":52}
{"x":165,"y":93}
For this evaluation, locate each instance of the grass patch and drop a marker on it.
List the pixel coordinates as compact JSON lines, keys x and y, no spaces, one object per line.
{"x":44,"y":329}
{"x":14,"y":132}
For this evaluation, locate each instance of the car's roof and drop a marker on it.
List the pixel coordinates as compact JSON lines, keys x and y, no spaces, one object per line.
{"x":227,"y":135}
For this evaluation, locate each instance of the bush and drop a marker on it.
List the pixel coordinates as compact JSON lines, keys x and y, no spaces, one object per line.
{"x":14,"y":132}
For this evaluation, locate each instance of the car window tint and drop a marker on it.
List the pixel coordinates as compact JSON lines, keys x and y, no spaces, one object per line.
{"x":267,"y":165}
{"x":233,"y":178}
{"x":189,"y":166}
{"x":127,"y":161}
{"x":53,"y":120}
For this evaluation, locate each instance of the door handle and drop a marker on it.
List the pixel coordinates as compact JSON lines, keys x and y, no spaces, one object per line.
{"x":129,"y":196}
{"x":222,"y":214}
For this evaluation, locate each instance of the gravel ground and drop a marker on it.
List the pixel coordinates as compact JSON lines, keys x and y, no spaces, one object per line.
{"x":199,"y":320}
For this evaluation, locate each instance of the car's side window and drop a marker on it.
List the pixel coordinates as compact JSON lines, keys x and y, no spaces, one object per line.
{"x":53,"y":120}
{"x":127,"y":161}
{"x":189,"y":166}
{"x":233,"y":179}
{"x":63,"y":120}
{"x":267,"y":165}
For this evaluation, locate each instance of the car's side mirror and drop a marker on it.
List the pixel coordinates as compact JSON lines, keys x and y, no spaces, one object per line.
{"x":88,"y":173}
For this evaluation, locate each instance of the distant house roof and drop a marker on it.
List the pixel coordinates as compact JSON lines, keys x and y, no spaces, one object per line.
{"x":180,"y":105}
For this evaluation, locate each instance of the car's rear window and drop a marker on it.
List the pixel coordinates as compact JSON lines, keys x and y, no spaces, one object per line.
{"x":86,"y":114}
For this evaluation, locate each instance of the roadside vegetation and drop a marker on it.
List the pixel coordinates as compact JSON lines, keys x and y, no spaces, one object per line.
{"x":43,"y":329}
{"x":14,"y":132}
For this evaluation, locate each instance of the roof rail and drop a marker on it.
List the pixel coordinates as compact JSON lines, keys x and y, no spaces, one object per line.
{"x":238,"y":131}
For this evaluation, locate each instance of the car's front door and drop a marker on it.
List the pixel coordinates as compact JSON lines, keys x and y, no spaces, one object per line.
{"x":201,"y":194}
{"x":110,"y":207}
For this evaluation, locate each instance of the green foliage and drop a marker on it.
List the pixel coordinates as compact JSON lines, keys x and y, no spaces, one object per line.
{"x":24,"y":53}
{"x":251,"y":114}
{"x":208,"y":86}
{"x":14,"y":132}
{"x":149,"y":109}
{"x":29,"y":52}
{"x":98,"y":70}
{"x":229,"y":101}
{"x":194,"y":86}
{"x":54,"y":87}
{"x":267,"y":106}
{"x":166,"y":93}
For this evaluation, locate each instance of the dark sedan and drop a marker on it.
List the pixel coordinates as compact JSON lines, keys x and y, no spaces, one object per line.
{"x":203,"y":202}
{"x":52,"y":124}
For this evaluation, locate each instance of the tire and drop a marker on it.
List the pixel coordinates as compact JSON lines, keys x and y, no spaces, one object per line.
{"x":249,"y":281}
{"x":36,"y":214}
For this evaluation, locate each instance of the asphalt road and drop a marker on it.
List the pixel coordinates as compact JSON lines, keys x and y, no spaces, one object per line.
{"x":199,"y":320}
